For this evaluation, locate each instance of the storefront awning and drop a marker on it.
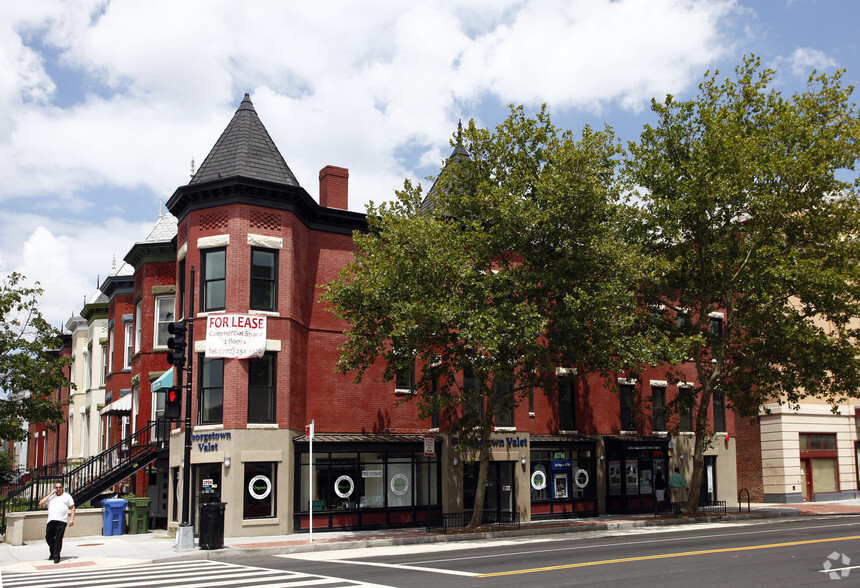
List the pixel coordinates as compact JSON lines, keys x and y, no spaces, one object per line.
{"x":119,"y":407}
{"x":163,"y":382}
{"x":357,"y":438}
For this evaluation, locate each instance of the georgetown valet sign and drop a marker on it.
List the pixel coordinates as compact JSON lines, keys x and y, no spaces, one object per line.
{"x":235,"y":336}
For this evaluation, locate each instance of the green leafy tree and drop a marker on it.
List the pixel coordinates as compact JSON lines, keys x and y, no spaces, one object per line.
{"x":8,"y":472}
{"x":515,"y":263}
{"x":750,"y":201}
{"x":30,"y":374}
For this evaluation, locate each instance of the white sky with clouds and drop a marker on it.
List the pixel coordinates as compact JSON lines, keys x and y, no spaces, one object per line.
{"x":104,"y":104}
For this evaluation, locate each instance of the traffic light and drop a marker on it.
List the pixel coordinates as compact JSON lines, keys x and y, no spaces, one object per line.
{"x":177,"y":343}
{"x":173,"y":403}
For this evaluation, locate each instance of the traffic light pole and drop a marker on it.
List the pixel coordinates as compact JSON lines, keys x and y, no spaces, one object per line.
{"x":185,"y":533}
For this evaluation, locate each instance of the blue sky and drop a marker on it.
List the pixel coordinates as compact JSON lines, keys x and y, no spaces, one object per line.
{"x":103,"y":104}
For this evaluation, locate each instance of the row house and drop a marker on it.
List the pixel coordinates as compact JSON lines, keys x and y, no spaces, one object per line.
{"x":241,"y":254}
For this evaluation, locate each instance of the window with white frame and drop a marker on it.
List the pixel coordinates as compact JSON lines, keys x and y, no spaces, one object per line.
{"x":137,"y":326}
{"x":104,"y":365}
{"x":163,"y":316}
{"x":129,"y":346}
{"x":213,"y":279}
{"x":111,"y":345}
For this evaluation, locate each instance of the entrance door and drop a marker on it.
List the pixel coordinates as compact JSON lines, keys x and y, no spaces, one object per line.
{"x":499,"y":495}
{"x":708,"y":489}
{"x":207,"y":488}
{"x":806,"y":480}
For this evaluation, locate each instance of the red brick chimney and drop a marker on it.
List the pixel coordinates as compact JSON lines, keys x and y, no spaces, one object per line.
{"x":334,"y":187}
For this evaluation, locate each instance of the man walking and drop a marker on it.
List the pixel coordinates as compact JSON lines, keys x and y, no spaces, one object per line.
{"x":678,"y":486}
{"x":61,"y":511}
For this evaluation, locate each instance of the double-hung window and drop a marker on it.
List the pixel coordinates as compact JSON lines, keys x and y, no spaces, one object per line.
{"x":658,"y":408}
{"x":163,"y":316}
{"x":211,"y":391}
{"x":111,"y":344}
{"x":685,"y":407}
{"x":137,"y":325}
{"x":504,"y":404}
{"x":567,"y":404}
{"x":628,"y":421}
{"x":214,"y":274}
{"x":473,"y":397}
{"x":261,"y":389}
{"x":719,"y":411}
{"x":129,"y":345}
{"x":264,"y":279}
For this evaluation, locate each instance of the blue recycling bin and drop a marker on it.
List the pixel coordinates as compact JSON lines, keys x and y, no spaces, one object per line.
{"x":113,"y":511}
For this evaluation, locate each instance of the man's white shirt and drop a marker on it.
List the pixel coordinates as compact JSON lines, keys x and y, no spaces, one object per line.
{"x":58,"y":507}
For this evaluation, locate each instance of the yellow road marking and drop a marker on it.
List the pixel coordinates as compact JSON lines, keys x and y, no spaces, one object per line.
{"x":664,"y":556}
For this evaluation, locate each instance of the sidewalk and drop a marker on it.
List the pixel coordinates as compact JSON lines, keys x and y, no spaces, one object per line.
{"x":122,"y":550}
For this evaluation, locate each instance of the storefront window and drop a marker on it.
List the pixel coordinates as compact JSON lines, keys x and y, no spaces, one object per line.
{"x":561,"y":474}
{"x":259,"y":490}
{"x":400,"y":481}
{"x":426,"y":481}
{"x":824,"y":475}
{"x":372,"y":479}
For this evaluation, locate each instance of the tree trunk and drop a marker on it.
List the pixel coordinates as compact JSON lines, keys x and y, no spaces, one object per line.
{"x":700,"y":441}
{"x":483,"y":469}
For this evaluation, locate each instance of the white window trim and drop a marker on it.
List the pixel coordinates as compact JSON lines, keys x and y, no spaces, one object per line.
{"x":128,"y":350}
{"x":265,"y":241}
{"x":138,"y":327}
{"x":213,"y":241}
{"x":158,"y":300}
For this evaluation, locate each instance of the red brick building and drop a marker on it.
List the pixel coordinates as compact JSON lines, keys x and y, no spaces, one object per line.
{"x":245,"y":245}
{"x":258,"y":245}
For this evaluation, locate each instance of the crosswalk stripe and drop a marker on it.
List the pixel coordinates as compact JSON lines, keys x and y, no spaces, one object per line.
{"x":191,"y":574}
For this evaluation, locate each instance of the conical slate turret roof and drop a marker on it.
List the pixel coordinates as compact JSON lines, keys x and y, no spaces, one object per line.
{"x":245,"y":149}
{"x":457,"y":155}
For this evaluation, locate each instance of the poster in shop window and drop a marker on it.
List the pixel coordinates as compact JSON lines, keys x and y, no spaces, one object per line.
{"x":631,"y":473}
{"x":614,"y":477}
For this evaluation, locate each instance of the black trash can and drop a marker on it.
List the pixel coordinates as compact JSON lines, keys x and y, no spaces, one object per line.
{"x":212,"y":525}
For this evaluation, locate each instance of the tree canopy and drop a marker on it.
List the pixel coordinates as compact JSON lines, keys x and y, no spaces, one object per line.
{"x":30,"y":374}
{"x":515,"y":262}
{"x":750,"y":202}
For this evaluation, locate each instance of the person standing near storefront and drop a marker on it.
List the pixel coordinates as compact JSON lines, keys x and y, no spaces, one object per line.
{"x":61,"y":512}
{"x":678,"y":486}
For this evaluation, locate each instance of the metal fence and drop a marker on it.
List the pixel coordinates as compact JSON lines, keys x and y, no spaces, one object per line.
{"x":677,"y":508}
{"x":457,"y":520}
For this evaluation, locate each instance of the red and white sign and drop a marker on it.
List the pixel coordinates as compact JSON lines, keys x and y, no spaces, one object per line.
{"x":429,"y":445}
{"x":236,"y":336}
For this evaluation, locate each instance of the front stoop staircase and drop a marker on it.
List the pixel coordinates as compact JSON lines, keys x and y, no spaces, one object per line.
{"x":86,"y":480}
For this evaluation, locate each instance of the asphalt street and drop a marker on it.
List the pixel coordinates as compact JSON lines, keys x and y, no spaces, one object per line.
{"x":770,"y":553}
{"x":797,"y":551}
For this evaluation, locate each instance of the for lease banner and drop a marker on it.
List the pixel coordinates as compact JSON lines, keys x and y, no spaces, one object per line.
{"x":235,"y":335}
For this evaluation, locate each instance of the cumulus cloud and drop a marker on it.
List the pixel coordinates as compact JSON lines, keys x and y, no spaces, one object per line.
{"x":66,"y":259}
{"x":122,"y":94}
{"x":804,"y":60}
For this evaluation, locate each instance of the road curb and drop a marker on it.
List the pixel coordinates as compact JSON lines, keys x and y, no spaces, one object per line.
{"x":527,"y":530}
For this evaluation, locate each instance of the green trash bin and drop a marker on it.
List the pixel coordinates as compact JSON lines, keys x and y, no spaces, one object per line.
{"x":138,"y":515}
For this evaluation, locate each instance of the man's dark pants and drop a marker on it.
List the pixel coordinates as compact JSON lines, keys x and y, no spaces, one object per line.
{"x":54,"y":536}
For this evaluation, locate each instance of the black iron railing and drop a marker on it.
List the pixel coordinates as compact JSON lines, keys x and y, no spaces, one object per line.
{"x":91,"y":477}
{"x":458,"y":520}
{"x":677,"y":508}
